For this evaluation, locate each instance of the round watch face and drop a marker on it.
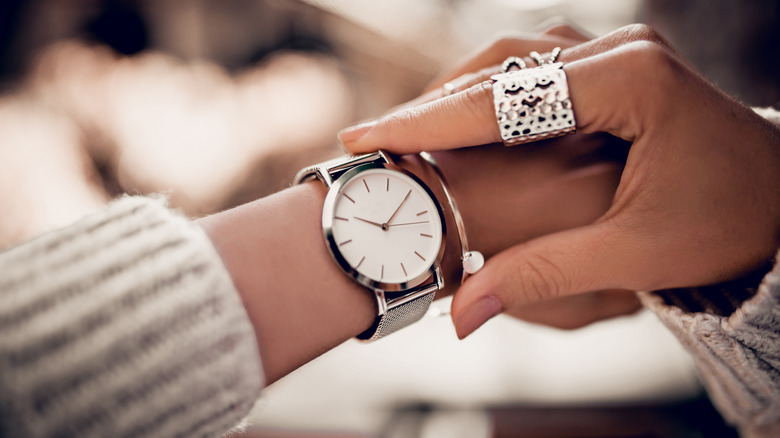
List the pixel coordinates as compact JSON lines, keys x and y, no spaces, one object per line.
{"x":383,"y":225}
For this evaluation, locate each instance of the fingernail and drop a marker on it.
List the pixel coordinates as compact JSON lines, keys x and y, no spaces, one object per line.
{"x":355,"y":133}
{"x":476,"y":314}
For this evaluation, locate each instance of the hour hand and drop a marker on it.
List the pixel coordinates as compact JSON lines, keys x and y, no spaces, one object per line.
{"x":376,"y":224}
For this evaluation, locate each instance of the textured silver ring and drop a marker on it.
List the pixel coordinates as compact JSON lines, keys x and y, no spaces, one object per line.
{"x":547,"y":58}
{"x":513,"y":61}
{"x":533,"y":104}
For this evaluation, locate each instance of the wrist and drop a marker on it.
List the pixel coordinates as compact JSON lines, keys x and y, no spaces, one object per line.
{"x":299,"y":303}
{"x":721,"y":299}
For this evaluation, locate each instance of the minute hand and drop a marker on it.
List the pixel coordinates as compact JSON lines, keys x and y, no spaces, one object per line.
{"x":399,"y":207}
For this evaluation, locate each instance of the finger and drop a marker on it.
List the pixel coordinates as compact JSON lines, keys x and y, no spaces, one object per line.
{"x":555,"y":34}
{"x":485,"y":62}
{"x":463,"y":119}
{"x":497,"y":51}
{"x":573,"y":49}
{"x":458,"y":84}
{"x":558,"y":265}
{"x":406,"y":120}
{"x":601,"y":89}
{"x":566,"y":30}
{"x":578,"y":311}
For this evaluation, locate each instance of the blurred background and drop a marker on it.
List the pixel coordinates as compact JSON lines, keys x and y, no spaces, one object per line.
{"x":216,"y":103}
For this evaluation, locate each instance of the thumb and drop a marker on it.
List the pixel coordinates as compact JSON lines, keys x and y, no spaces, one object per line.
{"x":561,"y":264}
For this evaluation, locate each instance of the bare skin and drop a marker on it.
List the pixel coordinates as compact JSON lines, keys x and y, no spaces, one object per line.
{"x":697,"y":201}
{"x":299,"y":301}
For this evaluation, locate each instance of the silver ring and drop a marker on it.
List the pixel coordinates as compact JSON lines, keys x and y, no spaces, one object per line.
{"x":513,"y":61}
{"x":533,"y":104}
{"x":447,"y":89}
{"x":547,"y":58}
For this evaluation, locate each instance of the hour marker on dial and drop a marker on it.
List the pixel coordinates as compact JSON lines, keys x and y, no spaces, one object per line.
{"x":403,"y":269}
{"x":418,"y":255}
{"x":425,"y":235}
{"x":345,"y":242}
{"x":360,"y":262}
{"x":366,"y":184}
{"x":422,"y":212}
{"x":341,"y":218}
{"x":347,"y":196}
{"x":388,"y":185}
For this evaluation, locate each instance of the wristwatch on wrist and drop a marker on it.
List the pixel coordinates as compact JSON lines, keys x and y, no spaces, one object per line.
{"x":385,"y":230}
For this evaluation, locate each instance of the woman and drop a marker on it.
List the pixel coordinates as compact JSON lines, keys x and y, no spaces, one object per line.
{"x":135,"y":321}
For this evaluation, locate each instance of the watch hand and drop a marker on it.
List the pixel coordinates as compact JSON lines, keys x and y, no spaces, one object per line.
{"x":408,"y":223}
{"x":376,"y":224}
{"x":399,"y":206}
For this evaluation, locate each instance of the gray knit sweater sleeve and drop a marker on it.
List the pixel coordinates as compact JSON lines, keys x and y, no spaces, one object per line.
{"x":124,"y":324}
{"x":735,"y":344}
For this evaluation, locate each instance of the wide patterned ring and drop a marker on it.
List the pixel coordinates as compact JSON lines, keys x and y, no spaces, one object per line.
{"x":533,"y":104}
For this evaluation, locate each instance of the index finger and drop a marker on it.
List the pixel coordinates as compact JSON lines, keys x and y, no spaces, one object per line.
{"x":599,"y":90}
{"x":496,"y":53}
{"x":462,"y":119}
{"x":449,"y":131}
{"x":558,"y":34}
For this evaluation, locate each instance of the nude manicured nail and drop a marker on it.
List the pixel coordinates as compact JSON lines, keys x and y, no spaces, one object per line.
{"x":476,"y":314}
{"x":354,"y":133}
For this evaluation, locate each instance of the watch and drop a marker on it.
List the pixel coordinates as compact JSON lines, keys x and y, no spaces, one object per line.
{"x":385,"y":229}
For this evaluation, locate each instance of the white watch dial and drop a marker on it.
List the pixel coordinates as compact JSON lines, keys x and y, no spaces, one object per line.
{"x":386,"y":226}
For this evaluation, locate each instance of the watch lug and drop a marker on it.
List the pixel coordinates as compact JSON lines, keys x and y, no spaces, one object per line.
{"x":438,"y":278}
{"x":325,"y":177}
{"x":386,"y":156}
{"x":381,"y":302}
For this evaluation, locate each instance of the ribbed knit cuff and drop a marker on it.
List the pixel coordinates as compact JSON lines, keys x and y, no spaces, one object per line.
{"x":123,"y":324}
{"x":737,"y":354}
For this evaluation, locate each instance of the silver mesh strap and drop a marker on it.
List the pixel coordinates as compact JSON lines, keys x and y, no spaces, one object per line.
{"x":397,"y":318}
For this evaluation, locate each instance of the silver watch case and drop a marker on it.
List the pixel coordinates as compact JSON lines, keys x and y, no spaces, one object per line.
{"x":327,"y":228}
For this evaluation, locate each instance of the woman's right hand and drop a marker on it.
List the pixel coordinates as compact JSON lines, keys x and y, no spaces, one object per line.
{"x":697,"y":201}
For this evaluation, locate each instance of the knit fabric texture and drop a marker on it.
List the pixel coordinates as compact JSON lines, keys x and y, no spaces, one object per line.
{"x":737,"y":355}
{"x":124,"y":324}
